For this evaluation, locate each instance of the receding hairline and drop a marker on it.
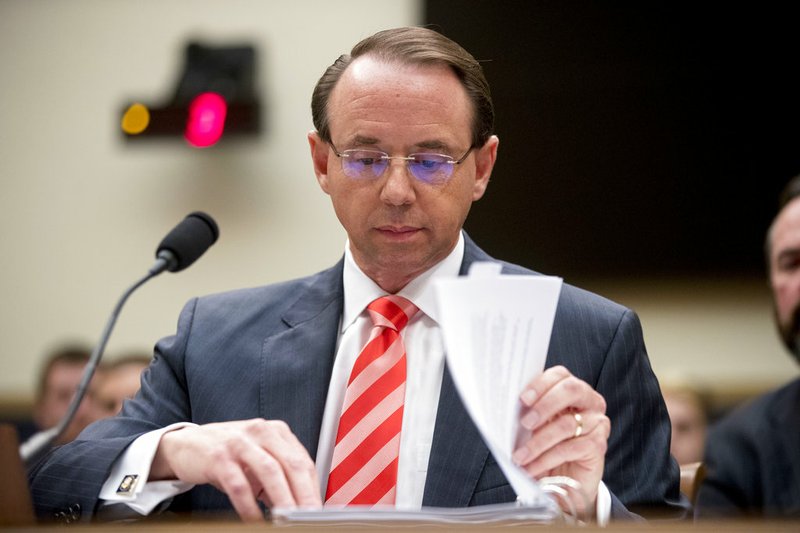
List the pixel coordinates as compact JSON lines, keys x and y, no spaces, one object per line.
{"x":402,"y":65}
{"x":407,"y":66}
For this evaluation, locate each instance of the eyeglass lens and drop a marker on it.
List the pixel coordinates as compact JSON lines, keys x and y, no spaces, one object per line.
{"x":369,"y":164}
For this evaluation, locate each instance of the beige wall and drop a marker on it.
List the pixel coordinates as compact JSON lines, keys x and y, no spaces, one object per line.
{"x":81,"y":213}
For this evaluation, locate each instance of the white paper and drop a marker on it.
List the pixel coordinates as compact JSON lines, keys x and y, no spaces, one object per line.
{"x":510,"y":513}
{"x":496,"y":331}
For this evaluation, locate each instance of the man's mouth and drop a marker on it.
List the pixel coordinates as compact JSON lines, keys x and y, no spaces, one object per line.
{"x":398,"y":232}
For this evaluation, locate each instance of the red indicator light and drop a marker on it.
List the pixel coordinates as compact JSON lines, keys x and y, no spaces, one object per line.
{"x":206,"y":120}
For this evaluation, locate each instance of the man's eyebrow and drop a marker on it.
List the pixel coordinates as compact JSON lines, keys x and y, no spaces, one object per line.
{"x":360,"y":139}
{"x":433,"y":145}
{"x":788,"y":253}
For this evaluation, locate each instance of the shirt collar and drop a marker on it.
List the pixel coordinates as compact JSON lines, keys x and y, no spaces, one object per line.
{"x":360,"y":290}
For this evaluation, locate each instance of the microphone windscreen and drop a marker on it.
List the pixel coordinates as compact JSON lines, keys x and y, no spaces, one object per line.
{"x":189,"y":240}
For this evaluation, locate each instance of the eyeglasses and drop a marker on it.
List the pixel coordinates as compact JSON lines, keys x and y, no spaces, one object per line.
{"x":433,"y":169}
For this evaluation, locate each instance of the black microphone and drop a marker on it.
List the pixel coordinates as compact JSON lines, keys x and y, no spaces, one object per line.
{"x":180,"y":248}
{"x":188,"y":241}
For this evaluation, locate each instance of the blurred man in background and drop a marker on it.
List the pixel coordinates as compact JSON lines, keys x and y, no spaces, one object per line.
{"x":120,"y":382}
{"x":58,"y":381}
{"x":753,"y":455}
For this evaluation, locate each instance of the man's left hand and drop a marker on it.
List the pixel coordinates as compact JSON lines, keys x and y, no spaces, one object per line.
{"x":569,"y":428}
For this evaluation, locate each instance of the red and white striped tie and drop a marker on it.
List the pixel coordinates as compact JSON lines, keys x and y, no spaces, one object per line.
{"x":364,"y":465}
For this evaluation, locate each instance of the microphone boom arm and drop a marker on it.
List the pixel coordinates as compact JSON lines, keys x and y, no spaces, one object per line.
{"x":180,"y":248}
{"x":33,"y":447}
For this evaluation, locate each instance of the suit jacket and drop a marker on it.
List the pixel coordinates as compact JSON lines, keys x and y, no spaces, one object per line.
{"x":753,"y":459}
{"x":268,"y":352}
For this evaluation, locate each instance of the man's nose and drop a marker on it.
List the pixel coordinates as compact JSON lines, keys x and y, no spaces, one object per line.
{"x":398,"y":189}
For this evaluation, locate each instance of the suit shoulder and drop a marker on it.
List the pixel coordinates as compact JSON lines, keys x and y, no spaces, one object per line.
{"x":575,"y":299}
{"x":277,"y":296}
{"x":278,"y":290}
{"x":575,"y":296}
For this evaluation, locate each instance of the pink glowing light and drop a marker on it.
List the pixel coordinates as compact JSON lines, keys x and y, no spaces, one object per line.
{"x":206,"y":120}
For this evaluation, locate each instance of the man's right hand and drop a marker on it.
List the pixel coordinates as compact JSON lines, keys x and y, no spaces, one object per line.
{"x":248,"y":460}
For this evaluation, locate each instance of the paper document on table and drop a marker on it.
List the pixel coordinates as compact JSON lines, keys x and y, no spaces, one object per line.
{"x":496,"y":331}
{"x":503,"y":513}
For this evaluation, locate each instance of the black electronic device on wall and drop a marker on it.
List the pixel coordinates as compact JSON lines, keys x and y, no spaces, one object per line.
{"x":215,"y":98}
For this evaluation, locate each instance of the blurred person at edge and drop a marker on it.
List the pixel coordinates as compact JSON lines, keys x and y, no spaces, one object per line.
{"x":752,"y":455}
{"x":58,"y":382}
{"x":687,"y":413}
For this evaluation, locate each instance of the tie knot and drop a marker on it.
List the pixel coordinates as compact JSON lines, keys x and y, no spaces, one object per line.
{"x":391,"y":311}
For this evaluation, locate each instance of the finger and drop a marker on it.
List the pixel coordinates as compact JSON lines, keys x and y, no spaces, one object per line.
{"x":298,"y":483}
{"x":542,"y":383}
{"x":586,"y":452}
{"x":562,"y":427}
{"x":300,"y":469}
{"x":569,"y":393}
{"x":269,"y":474}
{"x":233,"y":482}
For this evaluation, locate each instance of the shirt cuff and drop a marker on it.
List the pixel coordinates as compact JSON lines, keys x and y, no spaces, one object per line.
{"x":127,"y":483}
{"x":603,"y":505}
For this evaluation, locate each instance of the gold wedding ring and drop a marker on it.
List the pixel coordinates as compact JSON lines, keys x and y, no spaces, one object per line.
{"x":578,"y":425}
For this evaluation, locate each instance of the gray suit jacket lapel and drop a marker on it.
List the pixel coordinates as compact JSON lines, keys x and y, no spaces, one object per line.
{"x":297,"y":362}
{"x":458,"y":453}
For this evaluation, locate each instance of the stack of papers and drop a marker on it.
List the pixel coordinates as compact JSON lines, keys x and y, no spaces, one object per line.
{"x":483,"y":514}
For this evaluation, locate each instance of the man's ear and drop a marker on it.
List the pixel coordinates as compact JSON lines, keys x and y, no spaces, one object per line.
{"x":319,"y":157}
{"x":485,"y":156}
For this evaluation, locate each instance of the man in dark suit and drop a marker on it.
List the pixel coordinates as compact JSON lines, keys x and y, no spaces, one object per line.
{"x":752,"y":456}
{"x":403,"y":146}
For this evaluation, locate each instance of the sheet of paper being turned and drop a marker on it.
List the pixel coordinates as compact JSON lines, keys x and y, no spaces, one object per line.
{"x":496,"y":331}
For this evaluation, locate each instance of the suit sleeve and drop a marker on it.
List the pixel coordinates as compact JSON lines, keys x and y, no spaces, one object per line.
{"x":639,"y":471}
{"x":70,"y":477}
